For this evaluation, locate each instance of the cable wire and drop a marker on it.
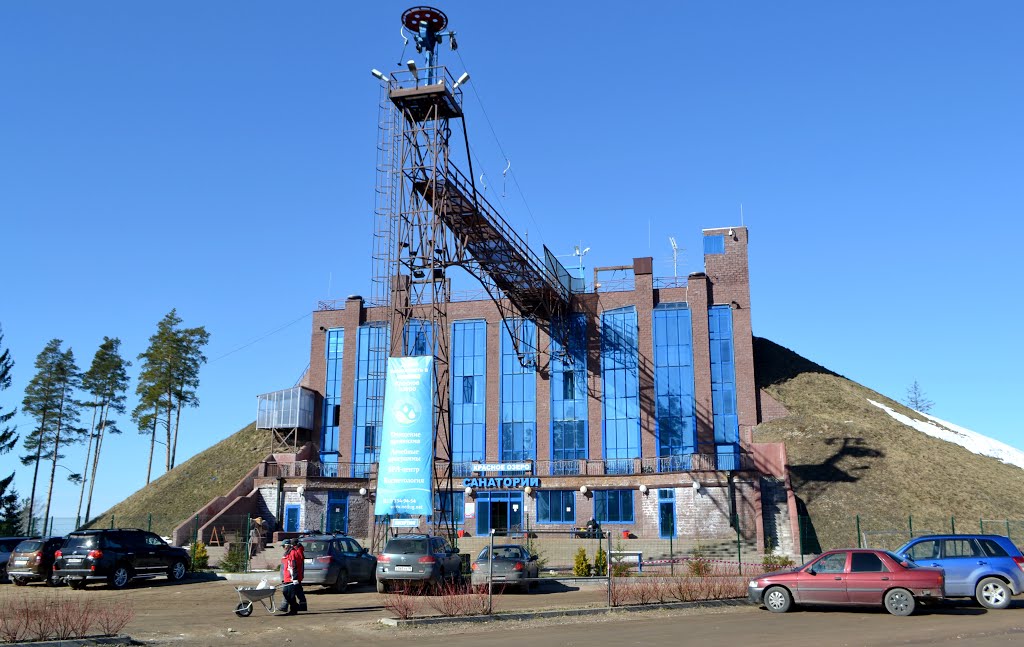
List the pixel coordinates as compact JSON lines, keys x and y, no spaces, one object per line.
{"x":260,"y":338}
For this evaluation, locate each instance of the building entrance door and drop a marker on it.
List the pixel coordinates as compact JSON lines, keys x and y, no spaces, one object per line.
{"x":501,"y":511}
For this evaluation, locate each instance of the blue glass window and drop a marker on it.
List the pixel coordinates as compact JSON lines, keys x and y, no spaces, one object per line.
{"x":468,"y":405}
{"x":334,"y":351}
{"x":418,"y":338}
{"x":723,"y":381}
{"x":569,"y":399}
{"x":621,"y":389}
{"x":371,"y":371}
{"x":714,"y":244}
{"x":518,"y":439}
{"x":613,"y":506}
{"x":456,"y":502}
{"x":675,"y":421}
{"x":556,"y":506}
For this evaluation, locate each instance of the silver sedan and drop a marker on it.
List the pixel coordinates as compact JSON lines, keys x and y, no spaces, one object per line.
{"x":512,"y":565}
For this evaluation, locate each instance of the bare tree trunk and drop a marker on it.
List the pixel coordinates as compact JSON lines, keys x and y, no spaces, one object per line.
{"x":152,"y":445}
{"x":96,"y":457}
{"x":85,"y":470}
{"x":56,"y":451}
{"x":35,"y":474}
{"x":170,"y":409}
{"x":177,"y":423}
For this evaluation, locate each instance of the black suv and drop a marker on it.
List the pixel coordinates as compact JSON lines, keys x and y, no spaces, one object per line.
{"x":117,"y":555}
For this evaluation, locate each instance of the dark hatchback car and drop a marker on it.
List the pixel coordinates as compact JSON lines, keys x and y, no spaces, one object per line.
{"x":117,"y":556}
{"x":32,"y":560}
{"x":335,"y":561}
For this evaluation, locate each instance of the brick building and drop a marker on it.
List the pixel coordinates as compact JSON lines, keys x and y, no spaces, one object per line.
{"x":649,"y":429}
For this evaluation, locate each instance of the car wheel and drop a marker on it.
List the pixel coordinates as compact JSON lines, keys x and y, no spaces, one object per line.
{"x":19,"y":581}
{"x":244,"y":609}
{"x":382,"y":586}
{"x":120,"y":577}
{"x":778,"y":599}
{"x":77,"y":585}
{"x":177,"y":571}
{"x":992,"y":593}
{"x":341,"y":584}
{"x":899,"y":602}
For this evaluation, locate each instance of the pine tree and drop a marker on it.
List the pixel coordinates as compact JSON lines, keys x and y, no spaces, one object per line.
{"x":168,"y":381}
{"x":11,"y":514}
{"x":917,"y":400}
{"x":107,"y":382}
{"x":8,"y":437}
{"x":49,"y":398}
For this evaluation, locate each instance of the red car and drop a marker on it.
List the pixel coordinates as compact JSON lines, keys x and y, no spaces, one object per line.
{"x":852,"y":576}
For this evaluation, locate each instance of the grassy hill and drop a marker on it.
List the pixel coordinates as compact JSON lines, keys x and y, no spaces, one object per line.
{"x":189,"y":486}
{"x":848,"y":458}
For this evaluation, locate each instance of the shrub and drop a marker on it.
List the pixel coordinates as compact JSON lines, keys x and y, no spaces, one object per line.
{"x":581,"y":565}
{"x":601,"y":562}
{"x":234,"y":561}
{"x":200,"y":557}
{"x":773,"y":562}
{"x":699,"y":564}
{"x":401,"y":604}
{"x":112,"y":618}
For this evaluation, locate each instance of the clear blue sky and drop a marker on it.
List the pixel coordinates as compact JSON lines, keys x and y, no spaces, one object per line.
{"x":218,"y":158}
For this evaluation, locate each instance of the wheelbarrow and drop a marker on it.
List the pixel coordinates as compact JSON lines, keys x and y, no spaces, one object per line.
{"x":248,"y":595}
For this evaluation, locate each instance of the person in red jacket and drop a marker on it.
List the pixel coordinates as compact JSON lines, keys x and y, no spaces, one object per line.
{"x":289,"y":604}
{"x":298,"y":571}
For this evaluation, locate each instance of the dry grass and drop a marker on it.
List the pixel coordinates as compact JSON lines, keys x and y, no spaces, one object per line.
{"x":848,"y":458}
{"x":176,"y":495}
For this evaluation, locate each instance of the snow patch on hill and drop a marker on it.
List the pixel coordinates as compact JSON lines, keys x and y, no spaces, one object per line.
{"x":969,"y":440}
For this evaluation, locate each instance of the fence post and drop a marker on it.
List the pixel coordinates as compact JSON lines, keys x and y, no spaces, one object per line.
{"x":608,"y":571}
{"x":952,"y":524}
{"x":111,"y":520}
{"x":78,"y":522}
{"x":195,"y":539}
{"x":248,"y":540}
{"x":671,"y":557}
{"x":858,"y":533}
{"x":149,"y":522}
{"x":490,"y":574}
{"x":910,"y":525}
{"x":981,"y":525}
{"x":739,"y":549}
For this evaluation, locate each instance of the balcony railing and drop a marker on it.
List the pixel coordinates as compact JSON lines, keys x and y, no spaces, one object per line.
{"x":581,"y":467}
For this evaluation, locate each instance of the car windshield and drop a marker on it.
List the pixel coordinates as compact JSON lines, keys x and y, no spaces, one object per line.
{"x":316,"y":547}
{"x":75,"y":542}
{"x":406,"y":546}
{"x":29,"y":546}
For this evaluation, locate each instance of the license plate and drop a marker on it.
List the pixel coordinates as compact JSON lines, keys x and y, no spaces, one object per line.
{"x":308,"y":561}
{"x":75,"y":560}
{"x":406,"y":569}
{"x":20,"y":562}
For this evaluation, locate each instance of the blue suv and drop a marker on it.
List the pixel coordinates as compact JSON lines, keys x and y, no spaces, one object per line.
{"x":988,"y":568}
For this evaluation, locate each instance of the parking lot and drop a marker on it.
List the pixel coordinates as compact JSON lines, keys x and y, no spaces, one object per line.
{"x":200,"y":613}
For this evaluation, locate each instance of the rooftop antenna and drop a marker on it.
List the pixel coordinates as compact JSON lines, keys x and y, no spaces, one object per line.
{"x":675,"y":256}
{"x":741,"y":214}
{"x":426,"y":25}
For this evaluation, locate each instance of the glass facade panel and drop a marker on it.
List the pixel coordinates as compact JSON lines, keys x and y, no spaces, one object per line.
{"x":723,"y":376}
{"x":418,"y":338}
{"x":456,"y":504}
{"x":569,"y":399}
{"x":613,"y":506}
{"x":518,"y":439}
{"x":675,"y":422}
{"x":556,"y":506}
{"x":621,"y":389}
{"x":332,"y":395}
{"x":468,"y":405}
{"x":371,"y":370}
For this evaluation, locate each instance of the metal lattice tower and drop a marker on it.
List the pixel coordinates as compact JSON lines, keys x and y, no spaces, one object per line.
{"x":429,"y":218}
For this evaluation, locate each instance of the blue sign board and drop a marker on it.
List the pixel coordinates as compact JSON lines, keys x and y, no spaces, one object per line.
{"x":405,"y":476}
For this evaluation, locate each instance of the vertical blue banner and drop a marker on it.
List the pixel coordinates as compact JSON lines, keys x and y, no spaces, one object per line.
{"x":405,"y":476}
